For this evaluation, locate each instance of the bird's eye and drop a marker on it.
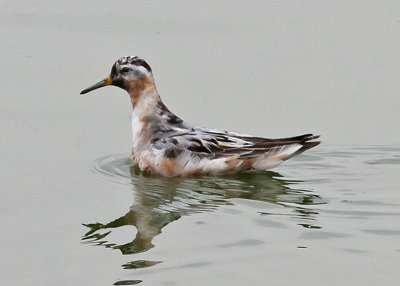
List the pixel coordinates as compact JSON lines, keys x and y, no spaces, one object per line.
{"x":125,"y":70}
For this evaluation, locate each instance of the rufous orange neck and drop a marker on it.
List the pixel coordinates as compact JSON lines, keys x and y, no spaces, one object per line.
{"x":140,"y":88}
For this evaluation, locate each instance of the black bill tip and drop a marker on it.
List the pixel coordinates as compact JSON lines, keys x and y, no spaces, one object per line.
{"x":102,"y":83}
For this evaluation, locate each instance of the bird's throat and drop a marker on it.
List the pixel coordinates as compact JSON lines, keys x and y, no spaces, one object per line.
{"x":143,"y":91}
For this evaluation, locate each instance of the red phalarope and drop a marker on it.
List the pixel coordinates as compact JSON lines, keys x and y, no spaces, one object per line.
{"x":166,"y":145}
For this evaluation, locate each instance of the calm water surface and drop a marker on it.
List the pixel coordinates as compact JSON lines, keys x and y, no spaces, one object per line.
{"x":268,"y":68}
{"x":330,"y":217}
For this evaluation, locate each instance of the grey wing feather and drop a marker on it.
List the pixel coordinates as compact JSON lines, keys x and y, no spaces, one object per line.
{"x":216,"y":144}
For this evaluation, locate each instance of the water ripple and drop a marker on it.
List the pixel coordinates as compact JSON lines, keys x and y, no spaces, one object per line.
{"x":160,"y":201}
{"x":356,"y":182}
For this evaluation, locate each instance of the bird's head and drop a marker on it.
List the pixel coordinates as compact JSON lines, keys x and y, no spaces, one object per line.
{"x":124,"y":72}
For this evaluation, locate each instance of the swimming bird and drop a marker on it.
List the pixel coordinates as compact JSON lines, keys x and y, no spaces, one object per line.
{"x":164,"y":144}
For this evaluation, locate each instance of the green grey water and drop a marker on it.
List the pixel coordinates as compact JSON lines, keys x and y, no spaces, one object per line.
{"x":73,"y":210}
{"x":340,"y":220}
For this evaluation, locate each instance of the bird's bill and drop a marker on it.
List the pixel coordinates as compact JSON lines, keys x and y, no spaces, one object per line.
{"x":102,"y":83}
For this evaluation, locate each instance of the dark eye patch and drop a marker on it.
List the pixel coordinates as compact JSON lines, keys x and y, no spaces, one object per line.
{"x":125,"y":69}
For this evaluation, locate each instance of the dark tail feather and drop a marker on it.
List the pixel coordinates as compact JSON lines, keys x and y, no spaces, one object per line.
{"x":307,"y":144}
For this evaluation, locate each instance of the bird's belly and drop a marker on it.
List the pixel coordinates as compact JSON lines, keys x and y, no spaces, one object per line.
{"x":154,"y":162}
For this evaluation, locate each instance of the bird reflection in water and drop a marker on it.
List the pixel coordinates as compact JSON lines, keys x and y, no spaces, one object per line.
{"x":159,"y":201}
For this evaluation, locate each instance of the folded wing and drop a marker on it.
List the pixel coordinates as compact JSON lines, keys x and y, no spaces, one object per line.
{"x":204,"y":143}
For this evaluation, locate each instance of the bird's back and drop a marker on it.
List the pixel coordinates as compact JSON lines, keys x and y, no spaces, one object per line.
{"x":179,"y":149}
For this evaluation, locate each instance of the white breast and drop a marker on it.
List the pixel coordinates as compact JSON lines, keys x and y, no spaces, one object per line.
{"x":137,"y":126}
